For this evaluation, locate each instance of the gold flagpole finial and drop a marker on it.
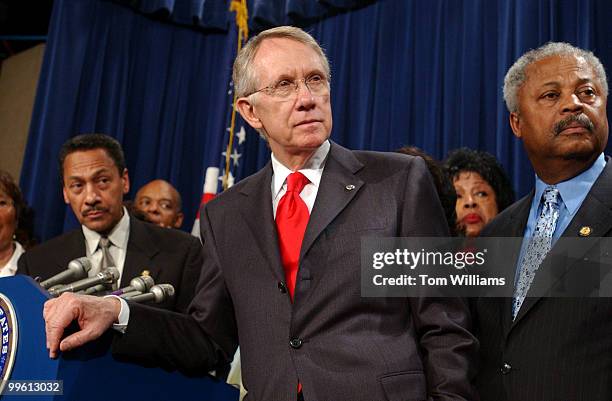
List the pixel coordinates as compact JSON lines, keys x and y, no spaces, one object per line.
{"x":242,"y":18}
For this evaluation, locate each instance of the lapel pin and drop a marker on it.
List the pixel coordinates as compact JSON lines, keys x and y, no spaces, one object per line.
{"x":585,"y":231}
{"x":349,"y":187}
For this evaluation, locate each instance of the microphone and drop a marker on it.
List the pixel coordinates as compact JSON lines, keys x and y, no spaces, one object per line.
{"x":127,"y":295}
{"x":76,"y":269}
{"x":140,"y":284}
{"x":158,"y":293}
{"x":107,"y":276}
{"x":94,"y":290}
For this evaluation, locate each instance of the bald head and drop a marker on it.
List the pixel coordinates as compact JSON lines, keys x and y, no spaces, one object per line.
{"x":160,"y":202}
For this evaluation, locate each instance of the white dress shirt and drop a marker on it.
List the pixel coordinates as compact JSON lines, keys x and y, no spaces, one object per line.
{"x":118,"y":237}
{"x":313,"y":170}
{"x":10,"y":268}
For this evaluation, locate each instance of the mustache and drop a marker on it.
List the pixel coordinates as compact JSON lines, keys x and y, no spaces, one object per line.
{"x":581,"y":119}
{"x":92,"y":209}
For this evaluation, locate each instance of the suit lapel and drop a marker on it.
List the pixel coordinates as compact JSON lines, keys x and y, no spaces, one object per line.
{"x":338,"y":187}
{"x":75,"y":247}
{"x":332,"y":198}
{"x":140,"y":252}
{"x":594,"y":213}
{"x":514,"y":227}
{"x":259,"y":217}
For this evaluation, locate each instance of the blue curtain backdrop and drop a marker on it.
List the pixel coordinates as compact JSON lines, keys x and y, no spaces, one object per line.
{"x":154,"y":74}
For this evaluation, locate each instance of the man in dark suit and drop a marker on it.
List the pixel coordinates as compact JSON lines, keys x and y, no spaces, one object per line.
{"x":282,"y":265}
{"x":536,"y":347}
{"x":94,"y":181}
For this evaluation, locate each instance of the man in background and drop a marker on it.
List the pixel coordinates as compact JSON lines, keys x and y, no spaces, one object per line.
{"x":95,"y":179}
{"x":159,"y":203}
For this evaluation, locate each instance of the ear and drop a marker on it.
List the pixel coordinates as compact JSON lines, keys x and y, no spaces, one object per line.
{"x":126,"y":181}
{"x":515,"y":124}
{"x":179,"y":220}
{"x":65,"y":192}
{"x":246,"y":109}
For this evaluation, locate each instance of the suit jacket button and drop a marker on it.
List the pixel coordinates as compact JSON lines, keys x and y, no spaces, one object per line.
{"x":506,"y":368}
{"x":296,"y":343}
{"x":282,"y":287}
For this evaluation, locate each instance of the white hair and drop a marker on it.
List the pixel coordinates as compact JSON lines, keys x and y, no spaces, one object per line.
{"x":515,"y":77}
{"x":243,"y":74}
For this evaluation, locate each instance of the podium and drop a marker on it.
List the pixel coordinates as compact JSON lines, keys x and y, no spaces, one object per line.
{"x":87,"y":373}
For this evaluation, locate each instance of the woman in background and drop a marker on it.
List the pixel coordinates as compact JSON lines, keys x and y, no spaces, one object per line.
{"x":16,"y":225}
{"x":483,"y":189}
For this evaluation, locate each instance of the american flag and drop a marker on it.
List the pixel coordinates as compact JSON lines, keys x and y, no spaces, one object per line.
{"x":227,"y":172}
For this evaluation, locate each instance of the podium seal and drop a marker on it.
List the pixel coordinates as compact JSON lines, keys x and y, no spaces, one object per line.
{"x":8,"y":342}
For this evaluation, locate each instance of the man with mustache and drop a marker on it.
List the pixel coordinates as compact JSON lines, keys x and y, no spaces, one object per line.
{"x":547,"y":348}
{"x":95,"y":178}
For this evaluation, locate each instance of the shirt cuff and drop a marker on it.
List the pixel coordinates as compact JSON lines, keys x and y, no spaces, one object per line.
{"x":124,"y":315}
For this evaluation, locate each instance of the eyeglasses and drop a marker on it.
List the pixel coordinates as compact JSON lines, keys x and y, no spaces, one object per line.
{"x":287,"y":89}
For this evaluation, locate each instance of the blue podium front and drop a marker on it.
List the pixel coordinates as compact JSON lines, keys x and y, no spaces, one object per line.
{"x":89,"y":373}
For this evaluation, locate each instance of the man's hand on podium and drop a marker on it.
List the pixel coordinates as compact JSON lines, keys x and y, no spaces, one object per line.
{"x":94,"y":316}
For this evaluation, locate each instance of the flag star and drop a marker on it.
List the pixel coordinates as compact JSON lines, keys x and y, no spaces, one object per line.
{"x":241,"y":135}
{"x":235,"y":156}
{"x":230,"y":179}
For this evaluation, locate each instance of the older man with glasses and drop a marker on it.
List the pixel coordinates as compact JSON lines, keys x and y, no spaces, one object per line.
{"x":282,"y":265}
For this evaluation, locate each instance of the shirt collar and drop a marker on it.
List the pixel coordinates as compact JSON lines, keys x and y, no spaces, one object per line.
{"x":313,"y":169}
{"x":574,"y":190}
{"x":118,"y":236}
{"x":11,"y":265}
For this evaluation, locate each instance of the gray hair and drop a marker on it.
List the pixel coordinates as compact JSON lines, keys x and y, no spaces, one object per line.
{"x":243,"y":74}
{"x":515,"y":77}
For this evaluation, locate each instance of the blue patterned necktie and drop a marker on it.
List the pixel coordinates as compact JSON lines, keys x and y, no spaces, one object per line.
{"x":538,"y":247}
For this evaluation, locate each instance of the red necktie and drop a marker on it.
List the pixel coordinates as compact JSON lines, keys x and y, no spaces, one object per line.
{"x":291,"y":220}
